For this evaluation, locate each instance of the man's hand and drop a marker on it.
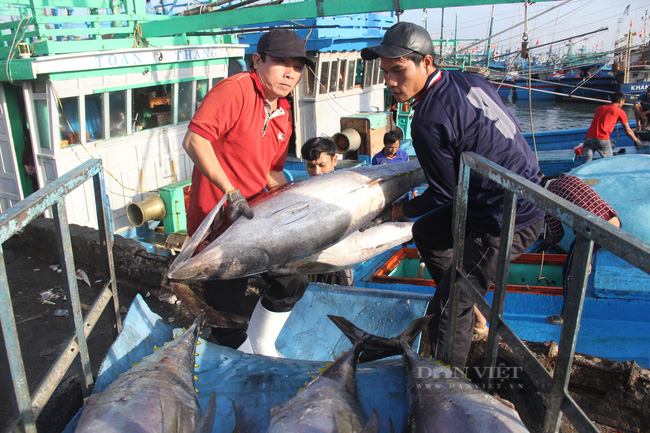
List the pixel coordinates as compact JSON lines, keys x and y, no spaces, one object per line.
{"x":639,"y":144}
{"x":398,"y":213}
{"x":237,"y":206}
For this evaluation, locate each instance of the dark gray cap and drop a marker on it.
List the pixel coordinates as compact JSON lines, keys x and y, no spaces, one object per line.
{"x":284,"y":43}
{"x":399,"y":40}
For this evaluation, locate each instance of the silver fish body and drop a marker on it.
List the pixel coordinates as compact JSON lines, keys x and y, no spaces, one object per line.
{"x":297,"y":220}
{"x":328,"y":404}
{"x":156,"y":395}
{"x":440,"y":401}
{"x":353,"y":249}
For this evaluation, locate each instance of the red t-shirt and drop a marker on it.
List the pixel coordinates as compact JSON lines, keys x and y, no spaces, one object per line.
{"x":232,"y":118}
{"x":605,"y":120}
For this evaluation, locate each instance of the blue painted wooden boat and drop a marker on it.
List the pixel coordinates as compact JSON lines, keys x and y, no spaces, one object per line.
{"x":618,"y":294}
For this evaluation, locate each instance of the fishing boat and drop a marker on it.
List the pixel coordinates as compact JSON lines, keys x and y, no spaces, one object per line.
{"x":85,"y":82}
{"x":632,"y":67}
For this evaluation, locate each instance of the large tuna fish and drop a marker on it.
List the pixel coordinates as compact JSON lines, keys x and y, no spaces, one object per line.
{"x":329,"y":404}
{"x":295,"y":221}
{"x":356,"y":248}
{"x":439,"y":400}
{"x":156,"y":395}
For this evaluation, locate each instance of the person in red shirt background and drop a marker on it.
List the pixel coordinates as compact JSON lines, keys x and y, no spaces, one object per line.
{"x":605,"y":119}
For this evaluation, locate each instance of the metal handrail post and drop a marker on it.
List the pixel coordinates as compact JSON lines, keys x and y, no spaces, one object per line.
{"x":106,"y":238}
{"x":501,"y":283}
{"x":569,"y":336}
{"x":14,"y":356}
{"x":52,"y":195}
{"x":460,"y":222}
{"x":72,"y":292}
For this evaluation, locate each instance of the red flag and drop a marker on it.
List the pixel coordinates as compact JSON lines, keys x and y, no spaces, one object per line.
{"x":537,"y":42}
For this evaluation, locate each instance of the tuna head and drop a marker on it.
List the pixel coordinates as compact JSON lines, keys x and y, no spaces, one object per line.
{"x":222,"y":261}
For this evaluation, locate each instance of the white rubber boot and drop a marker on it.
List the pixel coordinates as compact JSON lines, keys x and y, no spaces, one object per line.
{"x":246,"y":346}
{"x":263,"y":329}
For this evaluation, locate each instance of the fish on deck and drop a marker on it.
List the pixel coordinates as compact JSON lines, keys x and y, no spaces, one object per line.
{"x":156,"y":395}
{"x":440,"y":400}
{"x":295,"y":221}
{"x":330,"y":402}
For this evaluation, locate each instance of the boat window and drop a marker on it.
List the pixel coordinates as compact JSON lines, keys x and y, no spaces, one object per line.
{"x":334,"y":79}
{"x":185,"y":111}
{"x":151,"y":107}
{"x":375,"y":72}
{"x":43,"y":121}
{"x":94,"y":117}
{"x":201,"y":90}
{"x":117,"y":110}
{"x":324,"y":75}
{"x":343,"y":66}
{"x":352,"y":73}
{"x":311,"y":78}
{"x":367,"y":74}
{"x":69,"y":121}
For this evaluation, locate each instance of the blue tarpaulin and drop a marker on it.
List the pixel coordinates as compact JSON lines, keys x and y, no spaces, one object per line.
{"x":249,"y":386}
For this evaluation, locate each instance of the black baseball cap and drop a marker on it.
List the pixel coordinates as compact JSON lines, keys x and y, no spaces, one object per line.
{"x":399,"y":40}
{"x":284,"y":43}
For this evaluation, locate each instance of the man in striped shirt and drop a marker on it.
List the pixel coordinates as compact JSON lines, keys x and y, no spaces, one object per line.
{"x":575,"y":191}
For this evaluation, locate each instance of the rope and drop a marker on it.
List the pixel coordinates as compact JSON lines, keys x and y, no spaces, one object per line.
{"x":398,"y":9}
{"x":14,"y":45}
{"x":138,"y":40}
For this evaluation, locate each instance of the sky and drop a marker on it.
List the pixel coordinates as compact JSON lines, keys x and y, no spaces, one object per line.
{"x":570,"y":19}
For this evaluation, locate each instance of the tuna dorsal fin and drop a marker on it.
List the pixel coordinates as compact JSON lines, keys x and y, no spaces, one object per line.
{"x":372,"y":426}
{"x":206,"y":421}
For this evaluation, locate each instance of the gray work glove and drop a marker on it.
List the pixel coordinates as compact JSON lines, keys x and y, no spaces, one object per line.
{"x":237,"y":206}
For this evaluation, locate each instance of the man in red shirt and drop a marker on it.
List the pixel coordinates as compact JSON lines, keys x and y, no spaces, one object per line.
{"x":577,"y":192}
{"x":605,"y":119}
{"x":238,"y":142}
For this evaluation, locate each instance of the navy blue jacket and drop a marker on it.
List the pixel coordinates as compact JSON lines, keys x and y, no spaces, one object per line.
{"x":462,"y":112}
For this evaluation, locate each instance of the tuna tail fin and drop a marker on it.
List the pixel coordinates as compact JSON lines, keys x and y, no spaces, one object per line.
{"x":372,"y":426}
{"x":201,"y":233}
{"x":362,"y":338}
{"x":376,"y":347}
{"x":405,"y":338}
{"x":207,"y":420}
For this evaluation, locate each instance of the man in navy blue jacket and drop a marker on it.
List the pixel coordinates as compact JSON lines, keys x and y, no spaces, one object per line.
{"x":456,"y":112}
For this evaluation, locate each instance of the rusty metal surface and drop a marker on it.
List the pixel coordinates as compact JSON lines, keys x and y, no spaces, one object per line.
{"x":15,"y":219}
{"x":587,"y":228}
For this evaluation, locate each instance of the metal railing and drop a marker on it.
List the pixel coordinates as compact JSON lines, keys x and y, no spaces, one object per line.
{"x":15,"y":219}
{"x":587,"y":228}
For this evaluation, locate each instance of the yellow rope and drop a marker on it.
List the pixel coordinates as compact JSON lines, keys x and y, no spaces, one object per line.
{"x":138,"y":40}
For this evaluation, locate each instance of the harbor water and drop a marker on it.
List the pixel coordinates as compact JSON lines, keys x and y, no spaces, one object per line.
{"x":551,"y":115}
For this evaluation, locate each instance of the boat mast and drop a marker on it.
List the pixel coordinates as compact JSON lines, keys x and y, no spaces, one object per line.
{"x":442,"y":29}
